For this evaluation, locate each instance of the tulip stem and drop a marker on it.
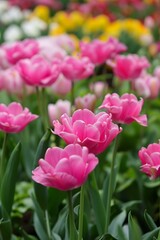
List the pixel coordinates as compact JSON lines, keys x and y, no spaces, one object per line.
{"x":48,"y":225}
{"x":2,"y":160}
{"x":81,"y":211}
{"x":111,"y":185}
{"x":71,"y":217}
{"x":41,"y":103}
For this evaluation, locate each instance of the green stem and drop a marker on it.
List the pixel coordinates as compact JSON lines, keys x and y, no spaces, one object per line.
{"x":81,"y":210}
{"x":111,"y":187}
{"x":71,"y":216}
{"x":48,"y":225}
{"x":3,"y":159}
{"x":42,"y":107}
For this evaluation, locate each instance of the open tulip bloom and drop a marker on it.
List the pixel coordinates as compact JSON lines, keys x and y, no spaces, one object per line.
{"x":65,"y":169}
{"x":95,"y":131}
{"x":150,"y":159}
{"x":13,"y":118}
{"x":125,"y":109}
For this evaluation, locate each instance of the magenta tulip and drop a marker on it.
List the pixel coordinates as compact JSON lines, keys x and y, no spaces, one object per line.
{"x":150,"y":159}
{"x":21,"y":50}
{"x":99,"y":52}
{"x":65,"y":169}
{"x":129,"y":67}
{"x":37,"y":71}
{"x":125,"y":109}
{"x":95,"y":131}
{"x":76,"y":69}
{"x":13,"y":118}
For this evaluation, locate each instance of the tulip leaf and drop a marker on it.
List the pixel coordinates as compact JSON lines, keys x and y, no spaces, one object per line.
{"x":116,"y":223}
{"x":149,"y":221}
{"x":98,"y":207}
{"x":41,"y":191}
{"x":39,"y":228}
{"x":9,"y":180}
{"x":151,"y":234}
{"x":5,"y":229}
{"x":134,"y":230}
{"x":106,"y":237}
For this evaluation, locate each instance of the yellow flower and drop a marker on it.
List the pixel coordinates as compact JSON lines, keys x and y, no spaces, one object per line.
{"x":56,"y":29}
{"x":41,"y":12}
{"x":69,"y":21}
{"x":96,"y":24}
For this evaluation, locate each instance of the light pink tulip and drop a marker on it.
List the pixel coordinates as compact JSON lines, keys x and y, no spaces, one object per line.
{"x":98,"y":88}
{"x":13,"y":118}
{"x":65,"y":169}
{"x":150,"y":159}
{"x":21,"y":50}
{"x":129,"y":67}
{"x":99,"y":52}
{"x":76,"y":69}
{"x":95,"y":131}
{"x":61,"y":86}
{"x":55,"y":111}
{"x":37,"y":71}
{"x":147,"y":86}
{"x":88,"y":101}
{"x":13,"y":83}
{"x":125,"y":109}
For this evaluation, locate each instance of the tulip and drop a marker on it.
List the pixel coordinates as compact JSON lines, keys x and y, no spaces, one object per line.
{"x":99,"y":52}
{"x":55,"y":111}
{"x":95,"y":131}
{"x":65,"y":169}
{"x":37,"y":71}
{"x":129,"y":67}
{"x":125,"y":109}
{"x":21,"y":50}
{"x":150,"y":159}
{"x":76,"y":69}
{"x":13,"y":118}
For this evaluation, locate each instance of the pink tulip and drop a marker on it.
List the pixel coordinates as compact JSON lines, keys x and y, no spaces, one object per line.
{"x":65,"y":169}
{"x":99,"y":52}
{"x":95,"y":132}
{"x":37,"y":71}
{"x":88,"y":101}
{"x":55,"y":111}
{"x":61,"y":86}
{"x":13,"y":83}
{"x":150,"y":159}
{"x":21,"y":50}
{"x":76,"y":69}
{"x":147,"y":86}
{"x":13,"y":118}
{"x":129,"y":67}
{"x":125,"y":109}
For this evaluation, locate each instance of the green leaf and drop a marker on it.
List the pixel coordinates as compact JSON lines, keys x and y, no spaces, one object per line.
{"x":39,"y":228}
{"x":149,"y":221}
{"x":98,"y":208}
{"x":9,"y":180}
{"x":106,"y":237}
{"x":41,"y":191}
{"x":151,"y":234}
{"x":116,"y":223}
{"x":5,"y":229}
{"x":27,"y":236}
{"x":39,"y":212}
{"x":134,"y":230}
